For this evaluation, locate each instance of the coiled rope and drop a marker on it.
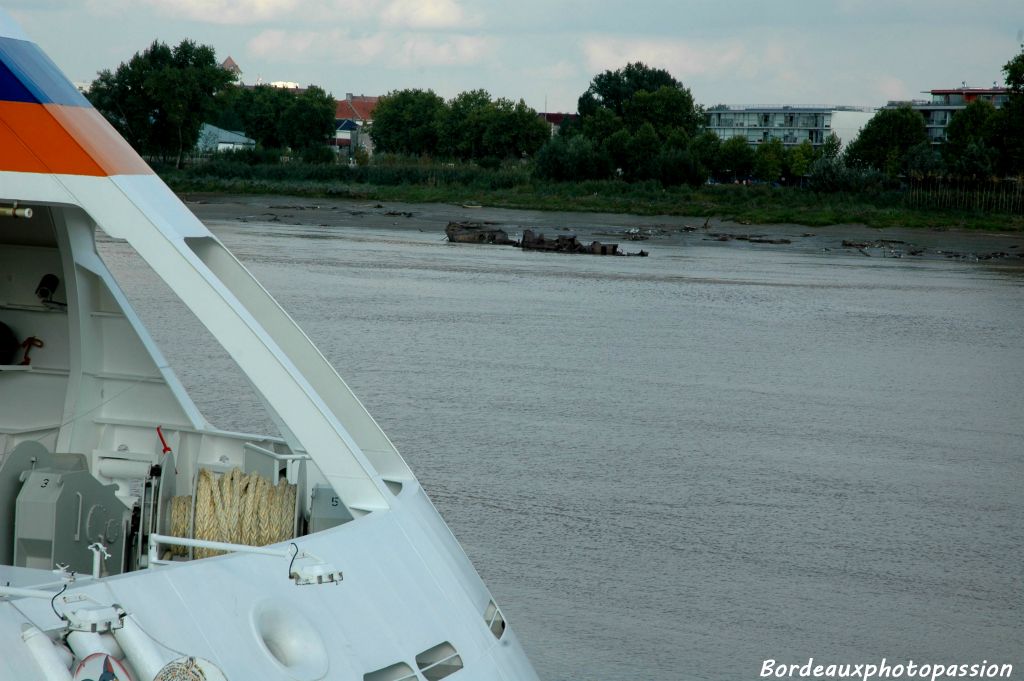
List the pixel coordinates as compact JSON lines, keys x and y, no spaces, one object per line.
{"x":234,"y":508}
{"x":182,"y":670}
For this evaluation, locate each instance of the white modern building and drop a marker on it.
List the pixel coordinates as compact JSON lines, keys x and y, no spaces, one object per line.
{"x":792,"y":125}
{"x":943,"y":104}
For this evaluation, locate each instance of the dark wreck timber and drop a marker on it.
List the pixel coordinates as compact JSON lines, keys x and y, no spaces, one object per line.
{"x":568,"y":243}
{"x":487,"y":233}
{"x":477,"y":233}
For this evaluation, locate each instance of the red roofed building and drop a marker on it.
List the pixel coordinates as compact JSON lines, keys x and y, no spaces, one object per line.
{"x":231,"y":66}
{"x":351,"y":115}
{"x":556,"y":120}
{"x":357,"y":109}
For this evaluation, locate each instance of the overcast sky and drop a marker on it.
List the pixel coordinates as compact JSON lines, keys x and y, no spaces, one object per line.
{"x":857,"y":52}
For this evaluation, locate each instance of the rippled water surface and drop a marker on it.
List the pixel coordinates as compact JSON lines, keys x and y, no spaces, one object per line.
{"x":676,"y":467}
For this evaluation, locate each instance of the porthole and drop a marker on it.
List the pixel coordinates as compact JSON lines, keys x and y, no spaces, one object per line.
{"x":399,"y":671}
{"x":438,"y":662}
{"x":494,"y":619}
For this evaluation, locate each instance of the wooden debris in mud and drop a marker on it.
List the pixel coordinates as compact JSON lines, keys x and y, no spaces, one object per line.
{"x":487,"y":233}
{"x":476,"y":233}
{"x":568,"y":243}
{"x":752,"y":238}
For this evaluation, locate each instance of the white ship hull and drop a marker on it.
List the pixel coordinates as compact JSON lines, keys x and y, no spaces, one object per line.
{"x":331,"y":564}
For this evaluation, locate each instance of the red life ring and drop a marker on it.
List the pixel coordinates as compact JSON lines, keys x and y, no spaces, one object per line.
{"x":101,"y":667}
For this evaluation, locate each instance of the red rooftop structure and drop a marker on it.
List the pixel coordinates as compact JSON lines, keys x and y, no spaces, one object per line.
{"x":356,"y":108}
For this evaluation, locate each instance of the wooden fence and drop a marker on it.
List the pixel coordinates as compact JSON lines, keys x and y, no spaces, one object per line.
{"x":1005,"y":196}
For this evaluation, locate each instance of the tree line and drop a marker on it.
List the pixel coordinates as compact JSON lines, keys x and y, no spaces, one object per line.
{"x":470,"y":126}
{"x":160,"y":98}
{"x":637,"y":123}
{"x":982,"y":143}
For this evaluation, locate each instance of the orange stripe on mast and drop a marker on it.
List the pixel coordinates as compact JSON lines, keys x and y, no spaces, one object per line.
{"x":99,"y":139}
{"x":65,"y":140}
{"x":14,"y":155}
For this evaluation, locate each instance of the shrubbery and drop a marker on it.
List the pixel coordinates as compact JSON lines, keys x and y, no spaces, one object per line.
{"x":574,"y":159}
{"x":834,"y":175}
{"x":385,"y":174}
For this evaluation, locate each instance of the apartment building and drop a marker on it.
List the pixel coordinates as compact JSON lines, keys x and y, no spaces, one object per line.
{"x":943,"y":104}
{"x":791,"y":125}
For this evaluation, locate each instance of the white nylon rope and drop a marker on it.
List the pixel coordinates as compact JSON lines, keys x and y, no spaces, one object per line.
{"x":234,"y":508}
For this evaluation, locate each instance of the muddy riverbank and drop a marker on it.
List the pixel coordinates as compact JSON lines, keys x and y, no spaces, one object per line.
{"x":856,"y":240}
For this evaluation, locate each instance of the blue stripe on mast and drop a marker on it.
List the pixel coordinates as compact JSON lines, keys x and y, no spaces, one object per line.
{"x":28,"y":75}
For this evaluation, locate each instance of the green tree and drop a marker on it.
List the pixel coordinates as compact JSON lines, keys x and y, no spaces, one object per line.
{"x":677,"y":166}
{"x":461,"y":129}
{"x":706,"y":150}
{"x":832,"y":146}
{"x":618,"y":147}
{"x":552,"y":162}
{"x":768,"y":159}
{"x":1013,"y":71}
{"x":1008,"y":125}
{"x":586,"y":160}
{"x":474,"y":127}
{"x":924,"y":160}
{"x":159,"y":99}
{"x":642,"y":154}
{"x":833,"y":175}
{"x":677,"y":139}
{"x":977,"y":161}
{"x":262,"y":109}
{"x":308,"y":120}
{"x":667,"y":109}
{"x":601,"y":125}
{"x":407,"y":122}
{"x":972,"y":126}
{"x":632,"y":97}
{"x":884,"y":141}
{"x":799,"y":159}
{"x":513,"y":130}
{"x":572,"y":159}
{"x":736,"y":159}
{"x":124,"y":102}
{"x":614,"y":89}
{"x":228,"y":108}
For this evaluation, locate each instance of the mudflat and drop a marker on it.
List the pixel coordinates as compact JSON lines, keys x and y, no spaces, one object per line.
{"x":1004,"y":248}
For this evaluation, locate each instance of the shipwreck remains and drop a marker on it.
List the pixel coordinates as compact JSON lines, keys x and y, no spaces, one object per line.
{"x":477,"y":233}
{"x":487,"y":233}
{"x":568,"y":243}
